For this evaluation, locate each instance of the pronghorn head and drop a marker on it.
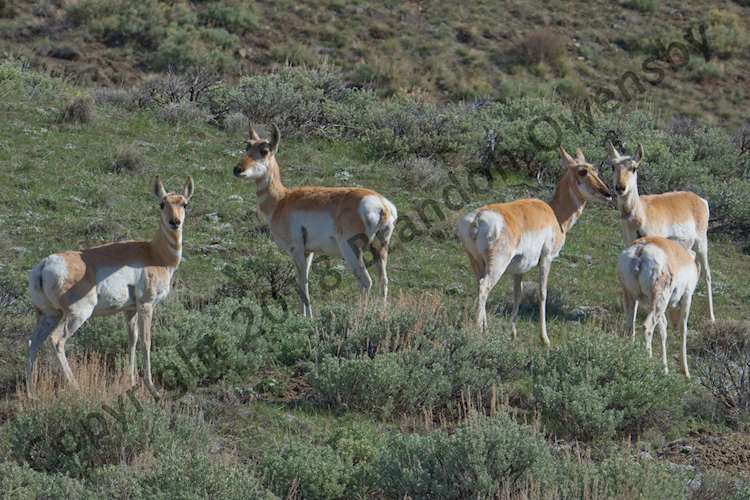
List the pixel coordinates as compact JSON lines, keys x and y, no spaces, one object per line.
{"x":585,"y":176}
{"x":173,"y":204}
{"x":260,"y":155}
{"x":625,"y":169}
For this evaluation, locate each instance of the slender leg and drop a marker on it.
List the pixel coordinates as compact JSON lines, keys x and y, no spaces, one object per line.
{"x":662,"y":322}
{"x":308,"y":265}
{"x":70,"y":323}
{"x":353,"y":256}
{"x":702,"y":251}
{"x":132,"y":320}
{"x":303,"y":290}
{"x":380,"y":255}
{"x":495,"y":269}
{"x":648,"y":331}
{"x":631,"y":311}
{"x":145,"y":315}
{"x":44,"y":327}
{"x":517,"y":291}
{"x":684,"y":314}
{"x":544,"y":266}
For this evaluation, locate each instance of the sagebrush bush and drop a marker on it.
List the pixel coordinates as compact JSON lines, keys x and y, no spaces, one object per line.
{"x":721,"y":356}
{"x":183,"y":113}
{"x":410,"y":363}
{"x":22,"y":482}
{"x":482,"y":458}
{"x":79,"y":109}
{"x":543,"y":46}
{"x":129,"y":160}
{"x":75,"y":435}
{"x":596,"y":386}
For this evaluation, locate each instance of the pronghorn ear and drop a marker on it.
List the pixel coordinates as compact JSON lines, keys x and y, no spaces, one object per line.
{"x":275,"y":138}
{"x":189,"y":188}
{"x":159,"y":190}
{"x":638,"y":154}
{"x":253,"y":134}
{"x":567,"y":159}
{"x":611,"y":151}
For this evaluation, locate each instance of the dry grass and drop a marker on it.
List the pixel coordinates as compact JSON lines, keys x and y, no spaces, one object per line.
{"x":80,"y":109}
{"x":98,"y":381}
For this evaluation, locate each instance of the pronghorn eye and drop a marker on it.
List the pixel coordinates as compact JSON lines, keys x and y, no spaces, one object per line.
{"x":583,"y":172}
{"x":265,"y":149}
{"x":161,"y":205}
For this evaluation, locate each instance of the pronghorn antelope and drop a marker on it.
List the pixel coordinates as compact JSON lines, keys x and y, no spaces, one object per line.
{"x":519,"y":235}
{"x":128,"y":276}
{"x":679,"y":215}
{"x":661,"y":273}
{"x":341,"y":221}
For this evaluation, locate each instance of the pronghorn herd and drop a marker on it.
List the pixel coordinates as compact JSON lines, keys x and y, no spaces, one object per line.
{"x":657,"y":268}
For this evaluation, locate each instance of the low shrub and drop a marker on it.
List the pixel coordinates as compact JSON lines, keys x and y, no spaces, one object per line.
{"x":305,"y":470}
{"x":618,"y":475}
{"x":75,"y":435}
{"x":22,"y":482}
{"x":183,"y":113}
{"x":542,"y":46}
{"x":129,"y":160}
{"x":721,"y":357}
{"x":80,"y":109}
{"x":726,"y":33}
{"x":482,"y":458}
{"x":596,"y":386}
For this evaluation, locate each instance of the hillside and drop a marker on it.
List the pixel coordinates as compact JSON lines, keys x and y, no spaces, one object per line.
{"x":415,"y":401}
{"x":482,"y":50}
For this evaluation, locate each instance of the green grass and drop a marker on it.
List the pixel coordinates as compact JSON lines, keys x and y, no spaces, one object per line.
{"x":59,"y":193}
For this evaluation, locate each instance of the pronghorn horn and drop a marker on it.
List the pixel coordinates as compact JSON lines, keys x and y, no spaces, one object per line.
{"x":613,"y":154}
{"x":253,"y":134}
{"x":638,"y":153}
{"x":579,"y":155}
{"x":565,"y":155}
{"x":275,"y":138}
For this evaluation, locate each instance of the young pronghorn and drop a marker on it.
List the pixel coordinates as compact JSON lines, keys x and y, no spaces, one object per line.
{"x":680,"y":215}
{"x":341,"y":221}
{"x":519,"y":235}
{"x":661,"y":273}
{"x":128,"y":276}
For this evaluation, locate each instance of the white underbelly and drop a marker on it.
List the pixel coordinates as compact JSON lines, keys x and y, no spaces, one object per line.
{"x":316,"y":231}
{"x":117,"y":288}
{"x":529,"y":251}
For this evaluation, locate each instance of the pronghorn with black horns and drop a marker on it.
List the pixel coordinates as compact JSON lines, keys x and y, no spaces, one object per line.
{"x":127,"y":276}
{"x":517,"y":236}
{"x":680,"y":215}
{"x":335,"y":221}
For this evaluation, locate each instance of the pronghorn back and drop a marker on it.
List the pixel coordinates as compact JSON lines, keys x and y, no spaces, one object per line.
{"x":675,"y":214}
{"x":353,"y":211}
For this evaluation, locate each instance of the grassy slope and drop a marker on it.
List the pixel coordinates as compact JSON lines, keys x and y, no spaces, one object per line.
{"x":435,"y":47}
{"x":59,"y":194}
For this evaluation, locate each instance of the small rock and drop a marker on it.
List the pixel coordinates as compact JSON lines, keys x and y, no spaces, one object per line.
{"x":213,"y":217}
{"x":454,"y":289}
{"x":235,"y":197}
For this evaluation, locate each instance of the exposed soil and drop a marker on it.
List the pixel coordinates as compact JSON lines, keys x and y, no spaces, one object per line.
{"x":709,"y":450}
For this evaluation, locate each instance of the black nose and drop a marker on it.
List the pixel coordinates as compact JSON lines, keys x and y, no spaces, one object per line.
{"x":620,"y":189}
{"x":175,"y":223}
{"x":237,"y":171}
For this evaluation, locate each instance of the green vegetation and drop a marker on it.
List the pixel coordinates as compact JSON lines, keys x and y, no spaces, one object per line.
{"x":358,"y":403}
